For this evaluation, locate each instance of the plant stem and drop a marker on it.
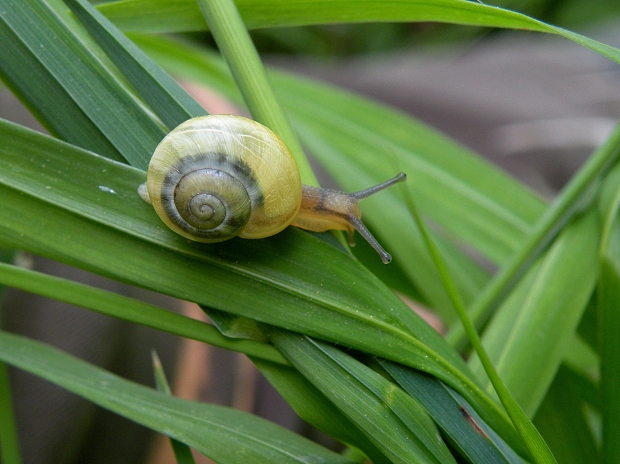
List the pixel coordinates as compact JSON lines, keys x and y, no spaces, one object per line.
{"x":546,"y":228}
{"x":236,"y":47}
{"x":534,"y":442}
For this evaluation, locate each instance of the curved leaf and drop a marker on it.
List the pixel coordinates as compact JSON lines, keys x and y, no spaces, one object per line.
{"x":183,"y":15}
{"x":469,"y":434}
{"x":528,"y":337}
{"x":98,"y":113}
{"x":129,"y":309}
{"x":393,"y":421}
{"x":225,"y":435}
{"x":81,"y":199}
{"x":314,"y":407}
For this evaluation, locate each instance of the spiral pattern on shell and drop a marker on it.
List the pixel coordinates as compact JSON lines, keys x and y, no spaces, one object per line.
{"x":208,"y":196}
{"x":216,"y":177}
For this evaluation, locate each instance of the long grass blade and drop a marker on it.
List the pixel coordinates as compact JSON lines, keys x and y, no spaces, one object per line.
{"x":555,"y":217}
{"x":128,"y":309}
{"x":182,"y":452}
{"x":393,"y":421}
{"x":469,"y":434}
{"x":9,"y":441}
{"x":566,"y":421}
{"x":170,"y":103}
{"x":184,"y":15}
{"x":539,"y":450}
{"x":608,"y":300}
{"x":226,"y":435}
{"x":316,"y":409}
{"x":531,"y":333}
{"x":237,"y":48}
{"x":97,"y":112}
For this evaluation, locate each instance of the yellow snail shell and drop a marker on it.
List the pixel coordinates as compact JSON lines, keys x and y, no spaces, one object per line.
{"x":215,"y":177}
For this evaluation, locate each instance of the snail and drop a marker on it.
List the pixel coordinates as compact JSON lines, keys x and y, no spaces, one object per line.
{"x":220,"y":176}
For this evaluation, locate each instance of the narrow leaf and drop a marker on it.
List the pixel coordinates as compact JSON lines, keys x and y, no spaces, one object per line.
{"x":474,"y":439}
{"x":9,"y":441}
{"x":225,"y":435}
{"x":183,"y":15}
{"x":556,"y":216}
{"x":166,"y":97}
{"x":182,"y":452}
{"x":565,"y":421}
{"x":316,"y":409}
{"x":393,"y":421}
{"x":538,"y":450}
{"x":237,"y":48}
{"x":97,"y":112}
{"x":128,"y":309}
{"x":530,"y":334}
{"x":608,"y":301}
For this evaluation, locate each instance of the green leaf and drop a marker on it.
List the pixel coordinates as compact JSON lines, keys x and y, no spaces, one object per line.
{"x":237,"y":48}
{"x":358,"y":140}
{"x":468,"y":433}
{"x":164,"y":95}
{"x":531,"y":333}
{"x":183,"y":15}
{"x":538,"y":450}
{"x":393,"y":421}
{"x":128,"y":309}
{"x":223,"y":434}
{"x":572,"y":197}
{"x":81,"y":199}
{"x":584,"y":365}
{"x":9,"y":442}
{"x":96,"y":111}
{"x":608,"y":301}
{"x":565,"y":421}
{"x":314,"y":407}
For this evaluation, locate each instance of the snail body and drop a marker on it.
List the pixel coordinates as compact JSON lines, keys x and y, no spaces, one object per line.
{"x":216,"y":177}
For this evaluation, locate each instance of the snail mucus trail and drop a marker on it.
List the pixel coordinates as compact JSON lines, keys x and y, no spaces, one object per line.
{"x":220,"y":176}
